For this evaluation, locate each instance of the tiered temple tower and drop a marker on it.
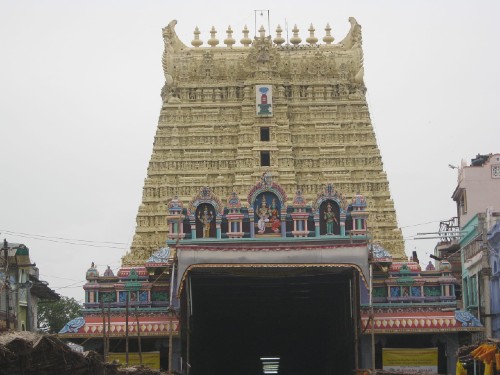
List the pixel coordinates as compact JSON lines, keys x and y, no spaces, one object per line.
{"x":232,"y":113}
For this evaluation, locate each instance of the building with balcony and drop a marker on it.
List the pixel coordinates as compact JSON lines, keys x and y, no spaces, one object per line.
{"x":478,"y":202}
{"x":20,"y":289}
{"x":479,"y":255}
{"x":477,"y":187}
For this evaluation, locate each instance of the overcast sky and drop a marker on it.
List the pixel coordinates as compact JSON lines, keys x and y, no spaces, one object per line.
{"x":80,"y":98}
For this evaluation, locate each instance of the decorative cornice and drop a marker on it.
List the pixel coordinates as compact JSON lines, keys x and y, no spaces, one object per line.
{"x":159,"y":325}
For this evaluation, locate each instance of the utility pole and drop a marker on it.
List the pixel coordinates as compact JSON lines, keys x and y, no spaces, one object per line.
{"x":138,"y":334}
{"x":370,"y":296}
{"x":170,"y":309}
{"x":104,"y":348}
{"x":29,"y":312}
{"x":372,"y":318}
{"x":170,"y":343}
{"x":355,"y":317}
{"x":109,"y":326}
{"x":126,"y":330}
{"x":6,"y":283}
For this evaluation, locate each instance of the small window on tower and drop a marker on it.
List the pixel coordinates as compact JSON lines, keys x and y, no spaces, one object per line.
{"x":265,"y":159}
{"x":264,"y":134}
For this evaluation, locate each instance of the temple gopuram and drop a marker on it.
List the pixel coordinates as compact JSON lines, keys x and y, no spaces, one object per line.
{"x":267,"y":240}
{"x":230,"y":114}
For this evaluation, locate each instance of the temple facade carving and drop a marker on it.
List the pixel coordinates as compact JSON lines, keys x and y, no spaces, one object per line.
{"x":232,"y":113}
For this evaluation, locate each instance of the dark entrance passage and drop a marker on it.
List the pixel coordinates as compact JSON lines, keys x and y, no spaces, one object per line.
{"x":303,"y":316}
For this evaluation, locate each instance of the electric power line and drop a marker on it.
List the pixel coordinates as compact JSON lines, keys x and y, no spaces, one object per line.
{"x":104,"y":244}
{"x":60,"y":238}
{"x":69,"y":241}
{"x":416,"y":225}
{"x":76,"y":281}
{"x":56,"y":277}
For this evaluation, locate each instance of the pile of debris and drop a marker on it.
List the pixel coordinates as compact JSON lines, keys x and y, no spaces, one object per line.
{"x":29,"y":353}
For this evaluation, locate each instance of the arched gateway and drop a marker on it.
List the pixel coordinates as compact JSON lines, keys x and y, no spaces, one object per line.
{"x":255,"y":289}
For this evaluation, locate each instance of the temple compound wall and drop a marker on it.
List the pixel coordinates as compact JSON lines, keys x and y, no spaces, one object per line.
{"x":231,"y":114}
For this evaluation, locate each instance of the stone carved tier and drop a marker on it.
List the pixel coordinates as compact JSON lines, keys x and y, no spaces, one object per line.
{"x":209,"y":132}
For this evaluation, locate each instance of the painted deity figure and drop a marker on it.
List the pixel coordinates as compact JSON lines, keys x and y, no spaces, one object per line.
{"x":275,"y":221}
{"x":205,"y":218}
{"x":330,"y":218}
{"x":263,"y":214}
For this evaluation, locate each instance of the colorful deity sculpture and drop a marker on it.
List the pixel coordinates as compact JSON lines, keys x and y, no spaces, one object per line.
{"x":206,"y":218}
{"x":275,"y":221}
{"x":263,"y":214}
{"x":264,"y":105}
{"x":330,"y":218}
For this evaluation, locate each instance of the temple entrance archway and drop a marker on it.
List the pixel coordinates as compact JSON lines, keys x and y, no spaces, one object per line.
{"x":305,"y":316}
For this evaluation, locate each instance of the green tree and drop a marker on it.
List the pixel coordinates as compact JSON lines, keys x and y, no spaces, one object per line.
{"x":53,"y":315}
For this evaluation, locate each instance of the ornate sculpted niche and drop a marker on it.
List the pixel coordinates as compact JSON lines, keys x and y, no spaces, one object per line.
{"x":267,"y":206}
{"x":330,"y":212}
{"x":263,"y":57}
{"x":205,"y":195}
{"x":266,"y":184}
{"x":330,"y":193}
{"x":207,"y":69}
{"x":205,"y":214}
